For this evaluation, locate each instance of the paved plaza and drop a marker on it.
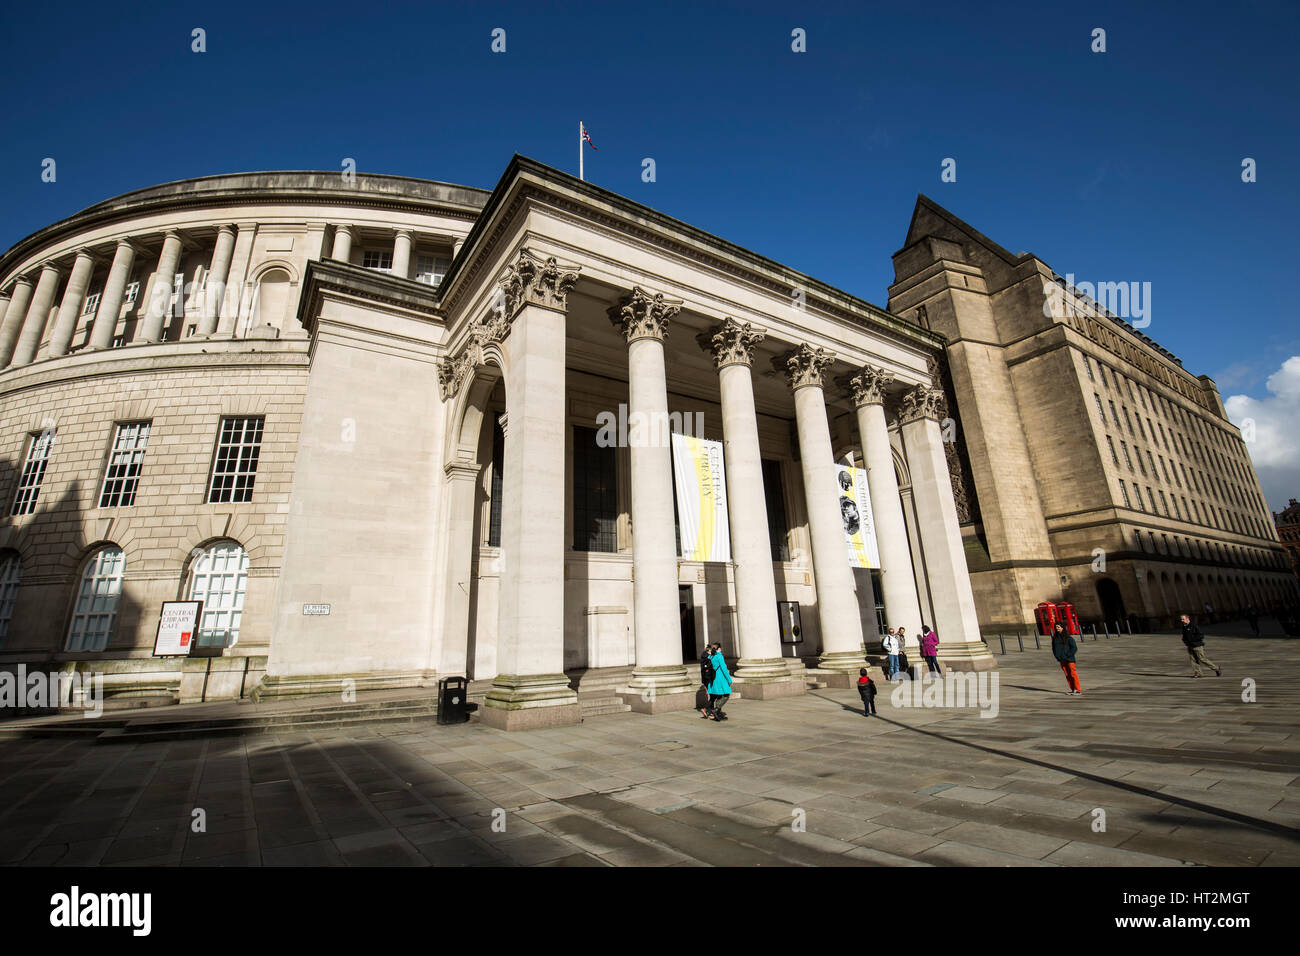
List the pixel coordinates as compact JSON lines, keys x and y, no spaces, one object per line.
{"x":1149,"y":767}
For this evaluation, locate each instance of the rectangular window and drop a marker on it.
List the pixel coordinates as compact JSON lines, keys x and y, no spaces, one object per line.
{"x":595,"y":494}
{"x":1127,"y":459}
{"x":1115,"y":415}
{"x":431,"y":269}
{"x":29,"y":483}
{"x":234,"y":468}
{"x":1164,"y":469}
{"x":1164,"y":504}
{"x":92,"y":303}
{"x":1111,"y":445}
{"x":1151,"y":500}
{"x":1101,"y":367}
{"x":119,"y":341}
{"x":1100,"y":411}
{"x":124,"y":464}
{"x":498,"y":459}
{"x":372,"y":259}
{"x":1124,"y":491}
{"x":778,"y":529}
{"x":131,"y":293}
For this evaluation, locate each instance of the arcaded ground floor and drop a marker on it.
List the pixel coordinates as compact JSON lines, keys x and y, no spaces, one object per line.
{"x":1184,"y":771}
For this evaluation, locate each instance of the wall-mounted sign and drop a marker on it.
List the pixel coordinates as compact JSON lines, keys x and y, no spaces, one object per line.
{"x":178,"y":626}
{"x":315,"y":609}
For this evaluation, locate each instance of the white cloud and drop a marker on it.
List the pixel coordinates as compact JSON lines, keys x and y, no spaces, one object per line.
{"x":1274,"y":450}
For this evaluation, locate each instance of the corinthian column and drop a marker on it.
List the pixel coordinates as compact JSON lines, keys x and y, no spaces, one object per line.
{"x":761,"y":671}
{"x":38,"y":316}
{"x":110,"y":301}
{"x":531,"y":689}
{"x":960,"y":644}
{"x":74,"y":297}
{"x":659,"y":680}
{"x":14,"y":315}
{"x":897,"y":582}
{"x":837,"y":605}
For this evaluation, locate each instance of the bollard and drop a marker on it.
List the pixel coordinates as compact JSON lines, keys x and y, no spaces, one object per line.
{"x":1020,"y":640}
{"x":1105,"y":626}
{"x":1003,"y":643}
{"x":1094,"y":631}
{"x":1129,"y":625}
{"x":1037,"y":646}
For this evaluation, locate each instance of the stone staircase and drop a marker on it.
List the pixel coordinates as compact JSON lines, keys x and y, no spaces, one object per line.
{"x":595,"y":687}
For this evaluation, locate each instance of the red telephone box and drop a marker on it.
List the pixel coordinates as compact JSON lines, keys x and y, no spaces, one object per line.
{"x":1048,"y":615}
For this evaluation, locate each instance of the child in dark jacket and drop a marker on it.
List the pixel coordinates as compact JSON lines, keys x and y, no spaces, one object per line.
{"x":867,"y":691}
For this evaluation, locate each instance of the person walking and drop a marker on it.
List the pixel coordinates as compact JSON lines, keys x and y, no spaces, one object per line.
{"x":890,"y":643}
{"x":1195,"y":641}
{"x":720,"y":686}
{"x":867,"y":691}
{"x":706,"y":678}
{"x":930,"y":649}
{"x":1063,"y":649}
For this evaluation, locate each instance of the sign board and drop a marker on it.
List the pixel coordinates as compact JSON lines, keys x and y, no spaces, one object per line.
{"x":855,"y":511}
{"x":315,"y":609}
{"x":699,"y":479}
{"x":178,"y":628}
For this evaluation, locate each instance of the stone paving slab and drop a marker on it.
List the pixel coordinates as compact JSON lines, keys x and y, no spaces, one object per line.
{"x":1185,"y":772}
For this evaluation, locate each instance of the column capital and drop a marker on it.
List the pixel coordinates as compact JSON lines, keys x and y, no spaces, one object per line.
{"x":731,"y":343}
{"x":531,"y":280}
{"x":868,"y":385}
{"x":344,"y":227}
{"x":126,"y":244}
{"x":24,"y":279}
{"x":229,"y":227}
{"x":640,"y":315}
{"x":404,"y":231}
{"x":922,"y":401}
{"x":803,"y":366}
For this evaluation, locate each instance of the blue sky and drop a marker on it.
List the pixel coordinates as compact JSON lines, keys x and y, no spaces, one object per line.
{"x":1115,"y":166}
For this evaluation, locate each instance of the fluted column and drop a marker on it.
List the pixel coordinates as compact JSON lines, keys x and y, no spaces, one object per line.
{"x":74,"y":297}
{"x":214,"y":290}
{"x":837,"y":605}
{"x":38,"y":316}
{"x":110,"y":301}
{"x":762,"y":670}
{"x":342,"y":250}
{"x":13,"y":321}
{"x":402,"y":254}
{"x":940,"y":532}
{"x":531,"y":689}
{"x":897,"y":579}
{"x":164,"y":283}
{"x":659,"y":680}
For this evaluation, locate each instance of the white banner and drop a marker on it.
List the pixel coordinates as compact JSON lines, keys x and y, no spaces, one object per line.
{"x":699,"y":480}
{"x":855,"y":510}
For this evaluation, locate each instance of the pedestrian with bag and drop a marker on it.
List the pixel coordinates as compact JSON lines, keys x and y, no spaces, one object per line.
{"x":890,"y":643}
{"x":1195,"y":642}
{"x":720,"y":686}
{"x":1063,"y":649}
{"x":903,"y":666}
{"x":706,"y":678}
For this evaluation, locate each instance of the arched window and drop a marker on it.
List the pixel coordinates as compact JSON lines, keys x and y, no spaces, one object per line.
{"x":218,"y":578}
{"x":11,"y":573}
{"x":95,"y":610}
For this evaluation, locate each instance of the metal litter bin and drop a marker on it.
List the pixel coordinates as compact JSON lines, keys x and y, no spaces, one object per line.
{"x":453,"y":700}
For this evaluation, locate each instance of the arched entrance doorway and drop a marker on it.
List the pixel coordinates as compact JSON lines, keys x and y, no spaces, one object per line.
{"x":1112,"y":602}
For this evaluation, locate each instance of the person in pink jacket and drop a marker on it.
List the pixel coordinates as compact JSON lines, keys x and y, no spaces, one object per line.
{"x":930,"y":650}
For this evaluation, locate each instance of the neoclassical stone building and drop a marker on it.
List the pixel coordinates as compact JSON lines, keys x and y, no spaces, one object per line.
{"x":1092,"y":467}
{"x":358,"y":419}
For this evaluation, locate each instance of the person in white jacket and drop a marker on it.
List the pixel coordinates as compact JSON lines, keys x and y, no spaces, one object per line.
{"x":892,"y":645}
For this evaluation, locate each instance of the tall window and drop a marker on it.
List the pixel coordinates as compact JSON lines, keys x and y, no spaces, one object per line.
{"x":11,"y":573}
{"x":373,"y":259}
{"x":595,"y":494}
{"x":124,"y":464}
{"x":92,"y":303}
{"x":494,"y":507}
{"x":131,"y":293}
{"x":778,"y":528}
{"x":431,"y":269}
{"x":219,"y":579}
{"x":1087,"y":365}
{"x":29,"y":483}
{"x":1111,"y":445}
{"x":1124,"y":491}
{"x":234,"y":468}
{"x":95,"y":609}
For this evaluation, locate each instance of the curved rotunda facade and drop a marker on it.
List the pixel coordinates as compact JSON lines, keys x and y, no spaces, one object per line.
{"x":358,"y":419}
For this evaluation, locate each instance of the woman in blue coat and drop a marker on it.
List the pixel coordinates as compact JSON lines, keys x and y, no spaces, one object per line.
{"x":720,"y":686}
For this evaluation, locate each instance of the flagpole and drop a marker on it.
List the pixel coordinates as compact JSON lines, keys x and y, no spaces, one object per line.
{"x":579,"y":149}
